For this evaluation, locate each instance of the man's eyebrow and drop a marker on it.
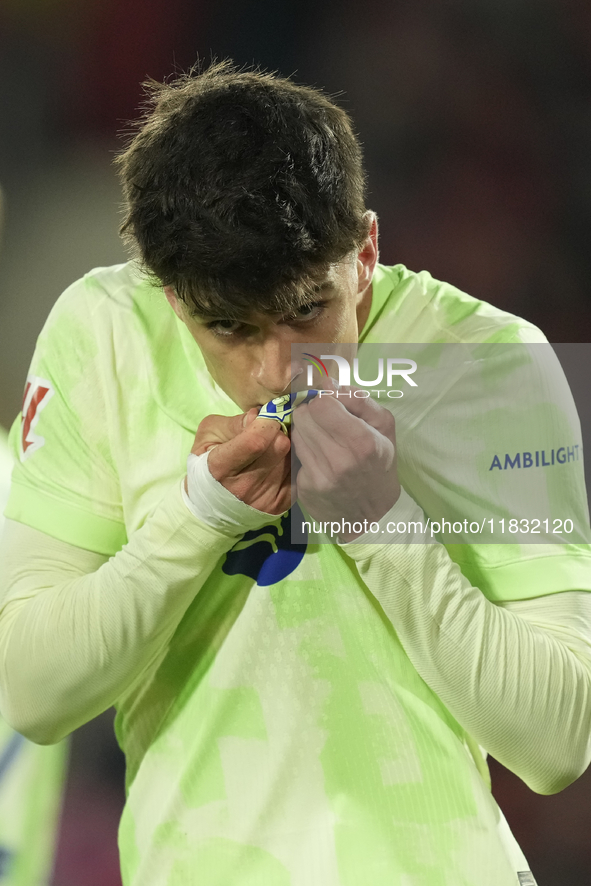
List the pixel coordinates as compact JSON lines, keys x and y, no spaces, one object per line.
{"x":314,"y":290}
{"x":321,"y":287}
{"x":206,"y":317}
{"x":201,"y":315}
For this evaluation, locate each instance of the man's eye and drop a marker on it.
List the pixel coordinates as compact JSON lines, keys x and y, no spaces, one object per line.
{"x":305,"y":312}
{"x":224,"y":327}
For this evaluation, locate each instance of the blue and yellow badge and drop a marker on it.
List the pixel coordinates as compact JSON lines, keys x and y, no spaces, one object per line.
{"x":281,"y":408}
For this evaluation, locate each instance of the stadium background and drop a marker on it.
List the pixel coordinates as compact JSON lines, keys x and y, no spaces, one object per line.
{"x":476,"y":121}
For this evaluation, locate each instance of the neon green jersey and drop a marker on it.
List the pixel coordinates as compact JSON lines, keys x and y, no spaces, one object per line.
{"x":283,"y":736}
{"x":31,"y":782}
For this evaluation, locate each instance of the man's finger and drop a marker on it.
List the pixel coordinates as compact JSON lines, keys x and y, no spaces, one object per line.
{"x":333,"y":439}
{"x":371,"y":412}
{"x":258,"y":439}
{"x":311,"y":458}
{"x":217,"y":429}
{"x":364,"y":408}
{"x":330,"y":415}
{"x":314,"y":444}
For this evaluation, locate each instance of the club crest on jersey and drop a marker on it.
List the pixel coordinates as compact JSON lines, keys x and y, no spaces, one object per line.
{"x":267,"y":555}
{"x":38,"y":393}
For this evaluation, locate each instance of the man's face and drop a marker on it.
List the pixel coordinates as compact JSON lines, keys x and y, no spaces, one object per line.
{"x":251,"y":361}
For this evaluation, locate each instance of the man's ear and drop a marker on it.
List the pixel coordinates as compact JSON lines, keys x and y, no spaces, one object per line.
{"x":368,"y":255}
{"x":173,"y":301}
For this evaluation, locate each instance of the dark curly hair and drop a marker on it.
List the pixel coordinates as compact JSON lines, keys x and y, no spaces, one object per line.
{"x":241,"y":187}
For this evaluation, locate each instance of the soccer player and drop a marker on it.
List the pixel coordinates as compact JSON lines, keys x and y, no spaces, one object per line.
{"x":302,"y":714}
{"x":31,"y":781}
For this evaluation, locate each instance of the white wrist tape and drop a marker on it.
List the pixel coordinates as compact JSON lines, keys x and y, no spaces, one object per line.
{"x":216,"y":506}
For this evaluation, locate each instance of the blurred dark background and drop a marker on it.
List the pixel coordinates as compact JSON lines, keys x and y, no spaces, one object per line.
{"x":476,"y":121}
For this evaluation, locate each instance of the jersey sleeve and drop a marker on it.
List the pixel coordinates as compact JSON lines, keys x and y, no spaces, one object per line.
{"x":64,"y":482}
{"x":501,"y":456}
{"x":520,"y":691}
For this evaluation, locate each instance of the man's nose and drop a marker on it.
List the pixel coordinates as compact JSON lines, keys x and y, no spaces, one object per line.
{"x":274,"y":369}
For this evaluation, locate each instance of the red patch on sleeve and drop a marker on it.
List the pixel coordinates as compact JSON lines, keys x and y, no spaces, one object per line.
{"x":37,"y":394}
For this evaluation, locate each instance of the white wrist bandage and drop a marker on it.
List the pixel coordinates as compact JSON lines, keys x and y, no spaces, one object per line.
{"x":216,"y":506}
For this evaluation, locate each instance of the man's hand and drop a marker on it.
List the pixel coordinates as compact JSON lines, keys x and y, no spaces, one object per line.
{"x":347,"y":451}
{"x":216,"y":429}
{"x":250,"y":457}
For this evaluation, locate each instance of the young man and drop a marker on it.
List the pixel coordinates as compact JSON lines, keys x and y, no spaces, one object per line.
{"x":295,"y":714}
